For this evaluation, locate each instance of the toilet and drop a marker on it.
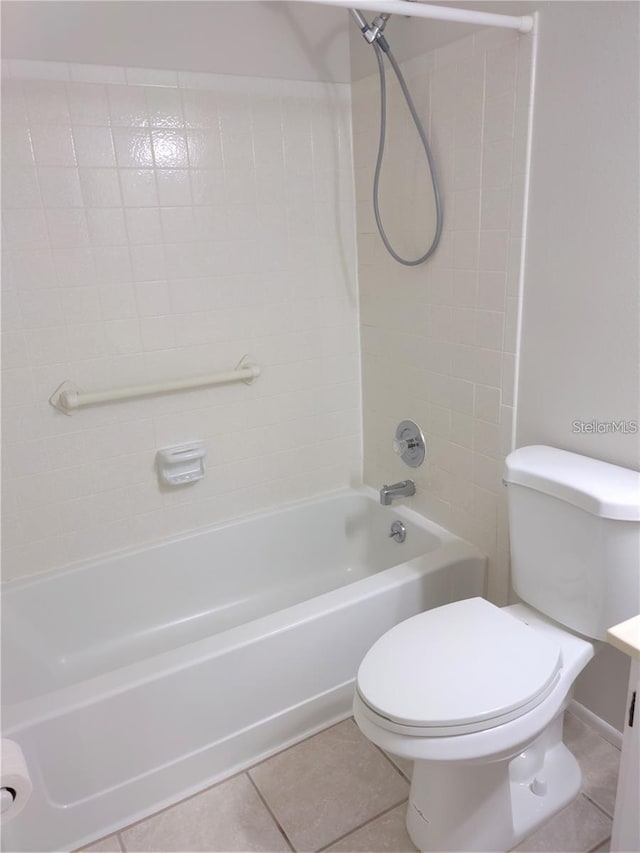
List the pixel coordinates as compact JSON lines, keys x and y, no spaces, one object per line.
{"x":474,"y":694}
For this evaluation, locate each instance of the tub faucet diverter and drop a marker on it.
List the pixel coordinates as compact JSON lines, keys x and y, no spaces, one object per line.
{"x":403,"y":489}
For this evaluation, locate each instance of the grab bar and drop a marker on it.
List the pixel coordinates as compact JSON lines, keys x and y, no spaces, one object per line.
{"x":67,"y":397}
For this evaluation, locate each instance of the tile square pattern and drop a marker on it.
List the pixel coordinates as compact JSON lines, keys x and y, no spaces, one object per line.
{"x":134,"y":251}
{"x":386,"y":833}
{"x":580,"y":826}
{"x":338,"y":792}
{"x":230,"y":816}
{"x":585,"y":824}
{"x":599,"y":762}
{"x":327,"y":786}
{"x":474,"y":95}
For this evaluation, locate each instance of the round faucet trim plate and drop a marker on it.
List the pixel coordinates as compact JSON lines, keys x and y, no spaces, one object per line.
{"x":398,"y":531}
{"x":409,"y":443}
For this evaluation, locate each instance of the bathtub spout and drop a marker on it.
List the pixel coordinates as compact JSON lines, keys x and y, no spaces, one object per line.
{"x":403,"y":489}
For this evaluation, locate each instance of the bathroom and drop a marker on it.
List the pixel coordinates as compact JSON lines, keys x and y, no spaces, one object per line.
{"x":187,"y":185}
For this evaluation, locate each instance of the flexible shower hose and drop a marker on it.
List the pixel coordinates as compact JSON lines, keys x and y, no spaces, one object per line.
{"x":381,"y":45}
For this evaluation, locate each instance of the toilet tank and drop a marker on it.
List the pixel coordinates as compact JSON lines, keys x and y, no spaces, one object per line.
{"x":574,"y":527}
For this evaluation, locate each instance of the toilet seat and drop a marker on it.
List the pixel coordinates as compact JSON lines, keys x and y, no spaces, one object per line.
{"x":460,"y":668}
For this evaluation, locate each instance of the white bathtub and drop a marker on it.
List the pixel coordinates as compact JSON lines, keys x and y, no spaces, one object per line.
{"x":140,"y":679}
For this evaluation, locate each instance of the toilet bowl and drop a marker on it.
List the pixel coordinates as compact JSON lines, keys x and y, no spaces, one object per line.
{"x":481,"y":717}
{"x":475,"y":694}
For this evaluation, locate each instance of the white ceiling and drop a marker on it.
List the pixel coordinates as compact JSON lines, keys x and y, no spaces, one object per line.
{"x":301,"y":41}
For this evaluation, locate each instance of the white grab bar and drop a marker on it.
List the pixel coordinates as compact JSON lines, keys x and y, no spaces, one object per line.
{"x":67,"y":397}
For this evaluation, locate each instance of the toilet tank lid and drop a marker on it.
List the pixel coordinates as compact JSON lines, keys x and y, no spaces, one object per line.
{"x":600,"y":488}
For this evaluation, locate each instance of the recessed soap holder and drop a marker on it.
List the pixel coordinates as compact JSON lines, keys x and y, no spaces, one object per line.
{"x":180,"y":465}
{"x":409,"y":443}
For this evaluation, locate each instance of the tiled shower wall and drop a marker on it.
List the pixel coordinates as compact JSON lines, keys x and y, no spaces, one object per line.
{"x":439,"y":340}
{"x":161,"y":225}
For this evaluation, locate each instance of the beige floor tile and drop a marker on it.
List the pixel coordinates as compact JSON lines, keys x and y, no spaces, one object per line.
{"x":110,"y":844}
{"x":598,"y":759}
{"x":385,"y":834}
{"x":328,"y":785}
{"x":578,"y":828}
{"x":228,"y":817}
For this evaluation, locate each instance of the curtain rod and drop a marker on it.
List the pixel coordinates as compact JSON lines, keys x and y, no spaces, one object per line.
{"x":417,"y":9}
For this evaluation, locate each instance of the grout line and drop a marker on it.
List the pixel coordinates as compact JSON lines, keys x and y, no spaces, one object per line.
{"x":361,"y":825}
{"x":592,"y":849}
{"x":175,"y":805}
{"x":187,"y":798}
{"x":297,"y":743}
{"x":270,"y":810}
{"x":354,"y":829}
{"x":597,"y":805}
{"x":393,"y":764}
{"x":604,"y":841}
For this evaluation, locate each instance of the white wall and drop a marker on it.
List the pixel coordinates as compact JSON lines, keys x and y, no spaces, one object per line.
{"x":272,"y":38}
{"x":580,"y":355}
{"x":162,"y":231}
{"x":409,"y":38}
{"x":296,"y":41}
{"x":580,"y":334}
{"x":439,"y":340}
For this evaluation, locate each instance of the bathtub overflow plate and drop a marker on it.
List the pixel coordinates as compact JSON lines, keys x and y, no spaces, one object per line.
{"x":409,"y":443}
{"x":398,"y":531}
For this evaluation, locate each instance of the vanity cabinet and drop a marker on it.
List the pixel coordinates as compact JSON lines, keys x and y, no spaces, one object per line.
{"x":626,"y":819}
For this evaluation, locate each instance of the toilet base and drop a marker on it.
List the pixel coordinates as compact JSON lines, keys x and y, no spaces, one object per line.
{"x":491,"y":806}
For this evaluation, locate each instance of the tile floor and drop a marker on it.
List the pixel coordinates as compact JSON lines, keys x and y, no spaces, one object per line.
{"x":337,"y":792}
